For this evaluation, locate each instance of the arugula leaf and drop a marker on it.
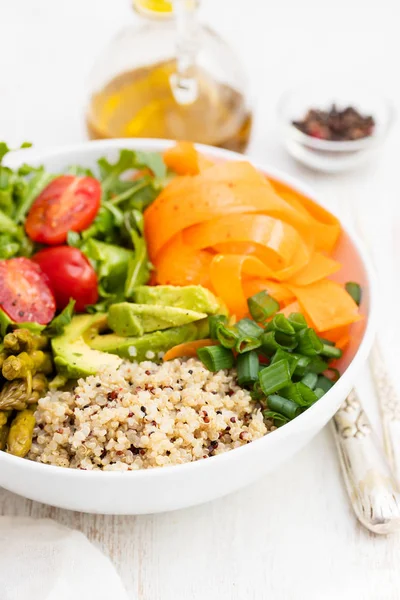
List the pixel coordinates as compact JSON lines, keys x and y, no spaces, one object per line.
{"x":110,"y":173}
{"x":152,"y":161}
{"x":139,"y":265}
{"x":57,"y":325}
{"x":4,"y":149}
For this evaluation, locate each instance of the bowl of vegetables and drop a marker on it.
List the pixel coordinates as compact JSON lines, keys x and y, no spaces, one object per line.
{"x":175,"y":322}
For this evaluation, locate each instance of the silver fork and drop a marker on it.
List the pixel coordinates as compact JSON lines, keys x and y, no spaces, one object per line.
{"x":368,"y":474}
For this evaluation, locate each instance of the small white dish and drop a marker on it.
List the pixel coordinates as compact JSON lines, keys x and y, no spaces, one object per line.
{"x":170,"y":488}
{"x":326,"y":155}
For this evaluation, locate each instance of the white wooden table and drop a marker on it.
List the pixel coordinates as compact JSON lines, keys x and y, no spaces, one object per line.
{"x":293,"y":534}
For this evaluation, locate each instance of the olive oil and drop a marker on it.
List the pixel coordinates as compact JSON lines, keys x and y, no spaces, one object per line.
{"x":143,"y":103}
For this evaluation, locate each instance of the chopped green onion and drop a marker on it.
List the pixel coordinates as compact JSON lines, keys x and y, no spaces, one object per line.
{"x":216,"y":358}
{"x":354,"y":289}
{"x":299,"y":393}
{"x":286,"y":407}
{"x":324,"y":383}
{"x":247,"y":343}
{"x":277,"y":418}
{"x":275,"y":377}
{"x":310,"y":380}
{"x":335,"y":373}
{"x":268,"y":343}
{"x":262,"y":306}
{"x":292,"y":359}
{"x":325,"y":341}
{"x":227,"y":336}
{"x":297,"y":321}
{"x":331,"y":351}
{"x":247,"y":327}
{"x":213,"y":321}
{"x":319,"y":392}
{"x":289,"y":342}
{"x":302,"y":365}
{"x":309,"y":343}
{"x":247,"y":368}
{"x":280,"y":323}
{"x":317,"y":365}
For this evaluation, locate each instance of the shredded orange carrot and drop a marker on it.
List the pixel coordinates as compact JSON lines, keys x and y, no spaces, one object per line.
{"x":228,"y":227}
{"x":319,"y":266}
{"x":184,"y":159}
{"x":187,"y":349}
{"x":327,"y":304}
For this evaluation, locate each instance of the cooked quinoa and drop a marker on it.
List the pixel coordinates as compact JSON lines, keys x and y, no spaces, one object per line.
{"x":145,"y":415}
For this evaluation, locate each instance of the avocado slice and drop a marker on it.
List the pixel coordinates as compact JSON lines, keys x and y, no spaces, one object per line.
{"x":148,"y":345}
{"x":191,"y":297}
{"x":73,"y":356}
{"x":127,"y":319}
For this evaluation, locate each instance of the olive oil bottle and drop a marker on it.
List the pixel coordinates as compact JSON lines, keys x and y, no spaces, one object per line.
{"x":169,"y":77}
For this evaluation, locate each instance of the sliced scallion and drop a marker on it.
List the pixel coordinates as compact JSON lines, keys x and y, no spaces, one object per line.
{"x":268,"y":343}
{"x":331,"y":351}
{"x":213,"y":322}
{"x":284,"y":406}
{"x":302,"y":365}
{"x":309,"y":343}
{"x":247,"y":343}
{"x":317,"y":365}
{"x":288,"y":342}
{"x":216,"y":358}
{"x":248,"y":327}
{"x":299,"y":393}
{"x":319,"y":392}
{"x":280,"y":323}
{"x":297,"y":321}
{"x":274,"y":377}
{"x":324,"y":383}
{"x":310,"y":380}
{"x":247,"y":368}
{"x":354,"y":289}
{"x":277,"y":418}
{"x":227,"y":336}
{"x":262,"y":306}
{"x":292,"y":359}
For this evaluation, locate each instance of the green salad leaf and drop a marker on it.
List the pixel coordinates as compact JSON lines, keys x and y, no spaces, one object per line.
{"x":57,"y":325}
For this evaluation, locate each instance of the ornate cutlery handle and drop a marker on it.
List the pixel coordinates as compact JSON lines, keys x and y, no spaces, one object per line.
{"x":369,"y":481}
{"x":389,"y":404}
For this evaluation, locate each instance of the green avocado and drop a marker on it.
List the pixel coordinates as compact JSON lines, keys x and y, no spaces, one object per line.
{"x":191,"y":297}
{"x":127,"y":319}
{"x":73,"y":357}
{"x":149,"y":345}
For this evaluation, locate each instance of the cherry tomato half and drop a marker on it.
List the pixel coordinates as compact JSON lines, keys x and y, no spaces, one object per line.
{"x":70,"y":275}
{"x":68,"y":203}
{"x":24,"y":292}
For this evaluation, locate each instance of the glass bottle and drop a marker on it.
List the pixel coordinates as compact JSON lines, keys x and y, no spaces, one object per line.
{"x":169,"y":77}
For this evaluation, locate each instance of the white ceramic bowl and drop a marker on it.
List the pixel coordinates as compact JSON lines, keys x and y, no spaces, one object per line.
{"x":170,"y":488}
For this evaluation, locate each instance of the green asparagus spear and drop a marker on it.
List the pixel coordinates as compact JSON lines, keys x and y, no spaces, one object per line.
{"x":23,"y":340}
{"x":15,"y":395}
{"x":20,"y":366}
{"x":19,"y":440}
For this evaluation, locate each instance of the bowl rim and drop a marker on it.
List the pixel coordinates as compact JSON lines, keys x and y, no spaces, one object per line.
{"x":368,"y":142}
{"x":158,"y":145}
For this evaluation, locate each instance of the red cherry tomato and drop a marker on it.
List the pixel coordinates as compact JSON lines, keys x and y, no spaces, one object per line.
{"x":68,"y":203}
{"x":24,"y":292}
{"x":70,"y":275}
